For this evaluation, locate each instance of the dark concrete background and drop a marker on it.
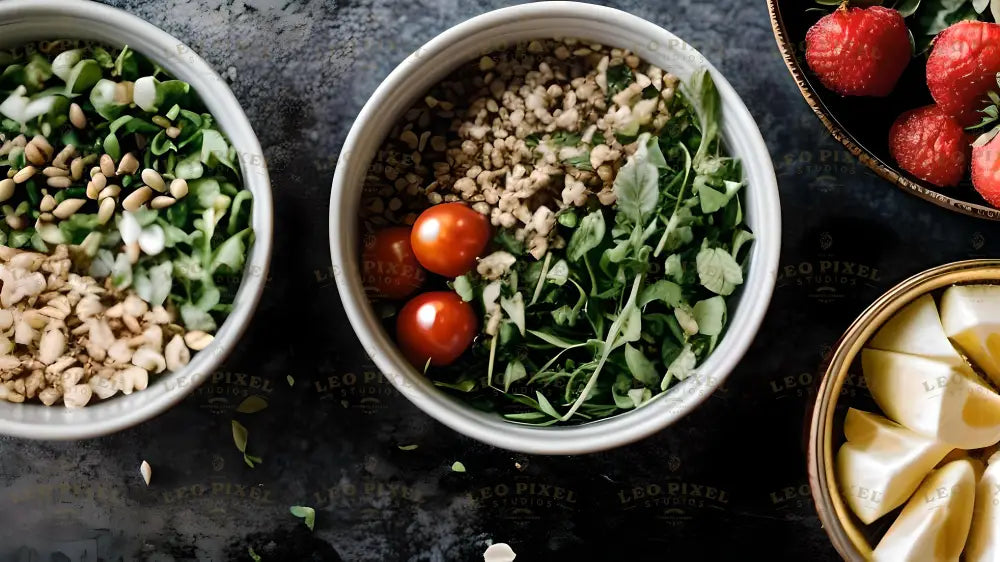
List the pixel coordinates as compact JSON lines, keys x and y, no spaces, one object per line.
{"x":303,"y":69}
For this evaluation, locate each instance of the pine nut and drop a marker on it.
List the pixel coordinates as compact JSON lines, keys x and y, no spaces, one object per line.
{"x":76,"y":169}
{"x":100,"y":181}
{"x":179,"y":188}
{"x":43,"y":143}
{"x":94,"y":171}
{"x":162,"y":202}
{"x":69,"y":206}
{"x":107,"y":165}
{"x":6,"y":189}
{"x":128,"y":165}
{"x":52,"y":172}
{"x":92,"y":190}
{"x":59,"y":182}
{"x":137,"y":198}
{"x":24,"y":174}
{"x":65,"y":154}
{"x":45,"y":217}
{"x":197,"y":340}
{"x":76,"y":116}
{"x":173,"y":132}
{"x":132,"y":251}
{"x":111,"y":191}
{"x":47,"y":203}
{"x":153,"y":179}
{"x":34,"y":154}
{"x":106,"y":210}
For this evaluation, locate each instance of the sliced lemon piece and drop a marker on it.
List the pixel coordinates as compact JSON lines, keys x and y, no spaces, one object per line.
{"x":917,"y":330}
{"x":882,"y":463}
{"x":935,"y":522}
{"x":970,"y":315}
{"x":947,"y":402}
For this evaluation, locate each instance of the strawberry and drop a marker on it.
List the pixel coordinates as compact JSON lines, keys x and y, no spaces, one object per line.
{"x":859,"y":51}
{"x":986,"y":170}
{"x":931,"y":145}
{"x":962,"y":67}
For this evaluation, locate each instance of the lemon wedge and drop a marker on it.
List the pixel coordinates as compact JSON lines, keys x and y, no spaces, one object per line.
{"x":984,"y":537}
{"x":935,"y":522}
{"x":917,"y":330}
{"x":945,"y":401}
{"x":971,"y":318}
{"x":882,"y":463}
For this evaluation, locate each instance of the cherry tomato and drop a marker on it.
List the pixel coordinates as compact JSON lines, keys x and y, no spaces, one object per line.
{"x":447,"y":238}
{"x":438,"y":326}
{"x":388,"y":265}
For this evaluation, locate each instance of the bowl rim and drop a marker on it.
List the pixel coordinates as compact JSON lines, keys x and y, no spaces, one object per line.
{"x":612,"y":432}
{"x":216,"y":94}
{"x":833,"y":512}
{"x":842,"y":135}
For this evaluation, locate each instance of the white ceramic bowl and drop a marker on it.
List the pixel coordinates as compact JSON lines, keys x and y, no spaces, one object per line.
{"x":24,"y":21}
{"x":464,"y":42}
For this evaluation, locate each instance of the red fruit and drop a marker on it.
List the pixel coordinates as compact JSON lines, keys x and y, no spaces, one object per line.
{"x":986,"y":170}
{"x":447,"y":238}
{"x":931,"y":145}
{"x":438,"y":326}
{"x":963,"y":66}
{"x":389,"y":267}
{"x":859,"y":51}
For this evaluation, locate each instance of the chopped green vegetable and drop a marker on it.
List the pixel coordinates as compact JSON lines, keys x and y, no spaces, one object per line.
{"x":306,"y":514}
{"x":457,"y":467}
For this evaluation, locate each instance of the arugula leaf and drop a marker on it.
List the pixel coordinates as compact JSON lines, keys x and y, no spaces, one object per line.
{"x":718,"y":271}
{"x":641,"y":368}
{"x":587,"y":236}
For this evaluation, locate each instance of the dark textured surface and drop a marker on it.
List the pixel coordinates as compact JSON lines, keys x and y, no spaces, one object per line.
{"x":302,"y":71}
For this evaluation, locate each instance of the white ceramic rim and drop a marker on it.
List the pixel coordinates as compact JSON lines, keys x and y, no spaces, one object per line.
{"x":77,"y":19}
{"x":763,"y":209}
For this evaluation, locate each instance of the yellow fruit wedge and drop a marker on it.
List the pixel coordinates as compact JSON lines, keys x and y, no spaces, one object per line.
{"x":882,"y":463}
{"x":971,"y":318}
{"x":934,"y":524}
{"x":917,"y":330}
{"x":984,"y":537}
{"x":947,"y":402}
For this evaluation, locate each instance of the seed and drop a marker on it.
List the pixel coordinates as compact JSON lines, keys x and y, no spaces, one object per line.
{"x":95,"y":170}
{"x":52,"y":172}
{"x":423,"y":140}
{"x":16,"y":222}
{"x":107,"y":165}
{"x":65,"y":154}
{"x":111,"y":191}
{"x":34,"y":154}
{"x":132,"y":251}
{"x":68,"y":207}
{"x":45,"y":217}
{"x":161,"y":121}
{"x":173,"y":132}
{"x":76,"y":116}
{"x":176,"y":354}
{"x":47,"y":203}
{"x":6,"y":189}
{"x":198,"y":340}
{"x":395,"y":204}
{"x":76,"y":169}
{"x":24,"y":174}
{"x":128,"y":165}
{"x":410,"y":138}
{"x":77,"y":396}
{"x":486,"y":63}
{"x":100,"y":181}
{"x":179,"y":188}
{"x":59,"y":182}
{"x":438,"y":144}
{"x":137,"y":198}
{"x":43,"y":143}
{"x":92,"y":190}
{"x":146,"y":471}
{"x":153,"y":179}
{"x":106,"y":210}
{"x":162,"y":202}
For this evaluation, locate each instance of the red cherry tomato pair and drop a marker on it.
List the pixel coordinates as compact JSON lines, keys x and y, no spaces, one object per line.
{"x":446,"y":239}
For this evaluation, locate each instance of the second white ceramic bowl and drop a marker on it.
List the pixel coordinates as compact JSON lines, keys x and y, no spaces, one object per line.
{"x":22,"y":22}
{"x":467,"y":41}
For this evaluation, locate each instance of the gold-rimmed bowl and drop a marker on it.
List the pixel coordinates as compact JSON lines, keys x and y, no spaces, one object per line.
{"x":852,"y":538}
